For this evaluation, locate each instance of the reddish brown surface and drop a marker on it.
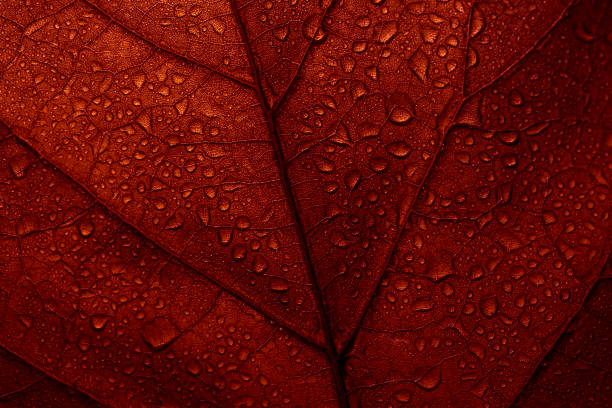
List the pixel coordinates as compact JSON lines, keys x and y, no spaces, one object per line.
{"x":22,"y":386}
{"x":301,"y":203}
{"x":577,"y":372}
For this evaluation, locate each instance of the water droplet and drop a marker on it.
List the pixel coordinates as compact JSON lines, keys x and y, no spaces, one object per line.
{"x":537,"y":279}
{"x":84,"y":343}
{"x":463,"y":157}
{"x":243,"y":223}
{"x":509,"y":160}
{"x":516,"y":99}
{"x":278,"y":284}
{"x":338,"y":240}
{"x":517,"y":272}
{"x":351,"y":179}
{"x":525,"y":319}
{"x":478,"y":349}
{"x":159,"y":332}
{"x":324,"y":164}
{"x":218,"y":25}
{"x":429,"y":35}
{"x":549,"y":217}
{"x":585,"y":34}
{"x":224,"y":204}
{"x":400,"y":116}
{"x":363,"y":22}
{"x":239,"y":252}
{"x":193,"y":367}
{"x":98,"y":322}
{"x":419,"y":64}
{"x":472,"y":58}
{"x":348,"y":64}
{"x":367,"y":129}
{"x":160,"y":204}
{"x":402,"y":396}
{"x":260,"y":264}
{"x":196,"y":127}
{"x":378,"y":164}
{"x":18,"y":165}
{"x":476,"y":272}
{"x":86,"y":228}
{"x":416,"y":7}
{"x":281,"y":33}
{"x":144,"y":120}
{"x":537,"y":128}
{"x":372,"y":72}
{"x":387,"y":31}
{"x":431,"y":379}
{"x":401,"y":284}
{"x":311,"y":29}
{"x":508,"y":138}
{"x":477,"y":22}
{"x":489,"y":306}
{"x":175,"y":222}
{"x":422,"y":305}
{"x":203,"y":214}
{"x":358,"y":89}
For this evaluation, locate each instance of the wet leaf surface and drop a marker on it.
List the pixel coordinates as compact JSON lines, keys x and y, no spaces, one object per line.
{"x":577,"y":372}
{"x":24,"y":386}
{"x":330,"y":203}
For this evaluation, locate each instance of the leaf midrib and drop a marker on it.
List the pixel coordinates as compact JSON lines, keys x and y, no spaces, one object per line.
{"x":330,"y":350}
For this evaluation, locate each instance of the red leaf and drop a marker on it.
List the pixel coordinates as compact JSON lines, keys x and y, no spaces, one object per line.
{"x":299,"y":203}
{"x":90,"y":301}
{"x":577,"y":372}
{"x":24,"y":386}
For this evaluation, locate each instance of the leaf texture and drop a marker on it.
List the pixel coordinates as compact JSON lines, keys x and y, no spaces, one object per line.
{"x":24,"y":386}
{"x":302,"y":203}
{"x":577,"y":372}
{"x":87,"y":298}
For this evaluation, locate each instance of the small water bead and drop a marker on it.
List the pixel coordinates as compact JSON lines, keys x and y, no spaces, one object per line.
{"x":98,"y":322}
{"x":242,"y":223}
{"x":387,"y":31}
{"x":239,"y":252}
{"x":86,"y":228}
{"x":400,"y":116}
{"x":260,"y":264}
{"x":193,"y":367}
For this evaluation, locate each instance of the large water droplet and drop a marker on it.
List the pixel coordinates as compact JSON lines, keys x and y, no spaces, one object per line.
{"x":159,"y":332}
